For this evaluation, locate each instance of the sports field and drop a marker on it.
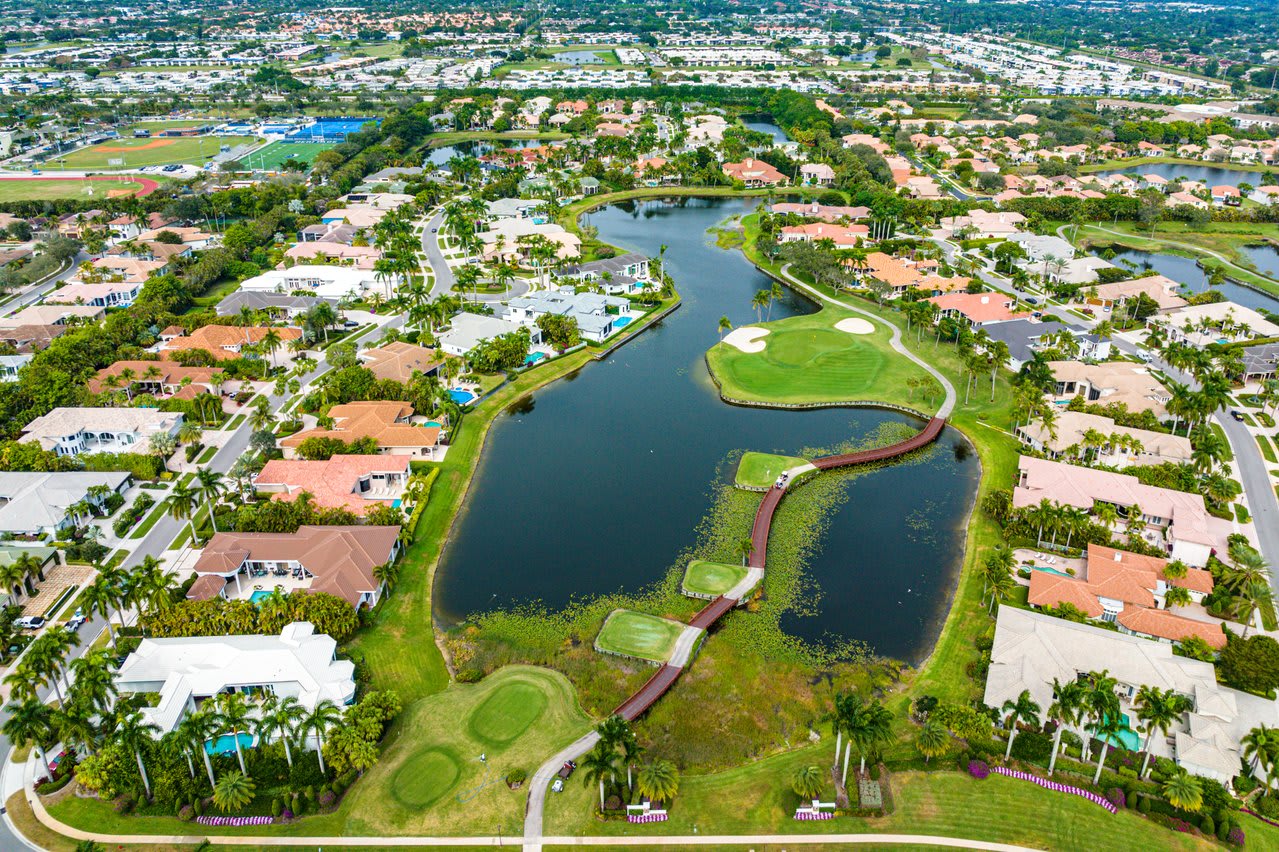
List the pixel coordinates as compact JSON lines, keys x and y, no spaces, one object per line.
{"x":760,"y":470}
{"x":272,"y":157}
{"x":135,"y":153}
{"x":806,"y":359}
{"x":53,"y":189}
{"x":711,"y":578}
{"x":639,"y":635}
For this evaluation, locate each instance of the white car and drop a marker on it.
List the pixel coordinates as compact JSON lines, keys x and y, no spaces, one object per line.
{"x":558,"y":786}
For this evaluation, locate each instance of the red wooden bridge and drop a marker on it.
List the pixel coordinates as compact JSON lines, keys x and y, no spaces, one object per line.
{"x":657,"y":685}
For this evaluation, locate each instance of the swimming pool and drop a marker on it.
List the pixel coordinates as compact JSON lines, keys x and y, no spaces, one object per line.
{"x":434,"y":423}
{"x":225,"y":744}
{"x":1049,"y":570}
{"x":258,"y":596}
{"x":462,"y":397}
{"x":1126,"y":738}
{"x":395,"y":504}
{"x":621,"y":322}
{"x":534,"y":357}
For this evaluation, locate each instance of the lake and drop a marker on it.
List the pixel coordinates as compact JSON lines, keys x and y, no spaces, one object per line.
{"x":597,"y":483}
{"x":474,"y":148}
{"x":1186,"y":271}
{"x":765,"y":126}
{"x":578,"y":57}
{"x":1210,"y":175}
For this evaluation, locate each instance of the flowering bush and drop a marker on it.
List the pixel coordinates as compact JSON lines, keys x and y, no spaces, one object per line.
{"x":1235,"y":838}
{"x":978,"y":769}
{"x":186,"y":813}
{"x":1116,"y":797}
{"x":287,"y":814}
{"x":1181,"y":825}
{"x":327,"y":800}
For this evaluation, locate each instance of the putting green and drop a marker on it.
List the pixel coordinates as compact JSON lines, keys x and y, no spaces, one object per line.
{"x":638,"y":634}
{"x":807,"y":360}
{"x":425,"y":777}
{"x":711,"y":578}
{"x":507,"y":712}
{"x":760,"y":470}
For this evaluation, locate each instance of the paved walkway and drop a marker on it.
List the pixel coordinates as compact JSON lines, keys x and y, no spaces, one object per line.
{"x":948,"y":405}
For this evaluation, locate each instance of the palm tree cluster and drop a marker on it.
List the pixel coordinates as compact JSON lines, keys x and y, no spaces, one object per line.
{"x":617,"y":752}
{"x":866,"y":725}
{"x":399,"y":262}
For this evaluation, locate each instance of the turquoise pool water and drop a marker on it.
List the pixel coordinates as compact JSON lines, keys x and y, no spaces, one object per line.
{"x":1049,"y":570}
{"x":1127,"y":737}
{"x":225,"y":744}
{"x":434,"y":423}
{"x":258,"y":596}
{"x":462,"y":397}
{"x":534,"y":357}
{"x":395,"y":504}
{"x":621,"y":322}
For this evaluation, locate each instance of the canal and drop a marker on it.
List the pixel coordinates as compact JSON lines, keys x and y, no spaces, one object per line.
{"x":1187,"y":272}
{"x":1210,"y":175}
{"x":598,"y":482}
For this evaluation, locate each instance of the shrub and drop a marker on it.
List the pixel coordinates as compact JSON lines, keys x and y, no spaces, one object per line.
{"x":186,"y":813}
{"x":1143,"y":804}
{"x":516,"y":776}
{"x":1116,"y":797}
{"x":874,"y":772}
{"x":198,"y":807}
{"x":978,"y":769}
{"x":276,"y":807}
{"x":612,"y":803}
{"x":1033,"y":747}
{"x":1182,"y":826}
{"x":299,"y":805}
{"x":287,"y":814}
{"x":1267,"y":806}
{"x":1223,"y":830}
{"x":327,"y":800}
{"x":1235,"y":837}
{"x":123,"y":804}
{"x":1207,"y":826}
{"x":469,"y":675}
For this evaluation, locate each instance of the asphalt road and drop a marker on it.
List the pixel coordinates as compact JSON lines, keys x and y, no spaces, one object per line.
{"x":36,"y":293}
{"x":444,"y":279}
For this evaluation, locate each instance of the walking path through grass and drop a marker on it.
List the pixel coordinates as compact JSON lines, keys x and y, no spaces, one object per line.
{"x":1262,"y":282}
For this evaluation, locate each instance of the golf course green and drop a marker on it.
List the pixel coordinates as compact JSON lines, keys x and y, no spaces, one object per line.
{"x":638,"y":634}
{"x":711,"y":578}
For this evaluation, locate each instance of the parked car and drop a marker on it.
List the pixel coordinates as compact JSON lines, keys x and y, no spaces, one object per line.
{"x":1235,"y":414}
{"x":567,"y":769}
{"x":30,"y":622}
{"x":558,"y":786}
{"x":76,"y":621}
{"x":1031,"y":300}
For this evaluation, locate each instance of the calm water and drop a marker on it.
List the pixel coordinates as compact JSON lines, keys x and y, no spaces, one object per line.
{"x":597,"y":483}
{"x":779,"y":135}
{"x":1187,"y":272}
{"x":1210,"y":175}
{"x":579,"y":57}
{"x":474,"y":148}
{"x":1265,"y":258}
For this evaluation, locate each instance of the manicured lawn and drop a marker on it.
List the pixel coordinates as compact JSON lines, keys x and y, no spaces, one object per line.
{"x":711,"y":578}
{"x":194,"y":150}
{"x":760,"y":470}
{"x":53,"y":189}
{"x":638,"y":634}
{"x":758,"y":799}
{"x":1266,"y":449}
{"x":273,"y":156}
{"x":807,"y":360}
{"x":150,"y":520}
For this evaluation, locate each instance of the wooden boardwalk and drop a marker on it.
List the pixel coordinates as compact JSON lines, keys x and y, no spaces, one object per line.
{"x":657,"y":685}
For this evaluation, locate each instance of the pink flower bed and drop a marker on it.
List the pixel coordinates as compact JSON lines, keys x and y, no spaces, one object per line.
{"x":804,"y":814}
{"x":235,"y":821}
{"x":1053,"y":785}
{"x":658,"y":817}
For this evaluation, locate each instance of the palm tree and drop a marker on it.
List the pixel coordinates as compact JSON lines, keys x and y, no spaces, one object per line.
{"x":280,"y":716}
{"x":600,"y":762}
{"x":233,"y":716}
{"x":807,"y":782}
{"x":132,"y":731}
{"x":658,"y":780}
{"x":271,"y":342}
{"x":325,"y":715}
{"x":210,"y":487}
{"x":1103,"y":708}
{"x":869,"y":725}
{"x":1024,"y":709}
{"x":98,"y":598}
{"x":30,"y":723}
{"x":1066,"y":710}
{"x":745,"y":548}
{"x":1261,"y":748}
{"x":1183,"y":790}
{"x":932,"y":740}
{"x":1157,"y":709}
{"x":233,"y":790}
{"x":182,"y":503}
{"x":197,"y":730}
{"x":93,"y":681}
{"x":725,"y":324}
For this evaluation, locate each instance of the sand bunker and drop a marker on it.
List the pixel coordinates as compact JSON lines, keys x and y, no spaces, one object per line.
{"x":854,"y":325}
{"x":124,"y":149}
{"x":747,"y":339}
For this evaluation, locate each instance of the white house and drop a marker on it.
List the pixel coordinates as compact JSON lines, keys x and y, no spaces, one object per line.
{"x":466,"y":331}
{"x":188,"y":671}
{"x":75,"y":430}
{"x":323,"y":280}
{"x":40,"y":503}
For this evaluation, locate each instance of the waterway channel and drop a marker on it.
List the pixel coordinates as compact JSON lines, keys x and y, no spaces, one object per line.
{"x":1210,"y":175}
{"x":1187,"y":272}
{"x":597,"y":483}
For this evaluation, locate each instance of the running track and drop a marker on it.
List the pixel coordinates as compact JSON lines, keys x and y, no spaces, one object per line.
{"x":148,"y":185}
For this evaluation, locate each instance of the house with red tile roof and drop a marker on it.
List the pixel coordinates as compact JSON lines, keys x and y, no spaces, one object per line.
{"x":355,"y":483}
{"x":977,"y":309}
{"x":754,"y":173}
{"x":224,"y":342}
{"x":387,"y":423}
{"x":843,"y":236}
{"x":159,"y":378}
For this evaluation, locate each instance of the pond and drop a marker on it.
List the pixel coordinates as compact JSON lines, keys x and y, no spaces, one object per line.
{"x":579,"y":57}
{"x":1187,"y":272}
{"x":1264,"y":257}
{"x":1210,"y":175}
{"x":765,"y":125}
{"x":474,"y":148}
{"x":597,"y":483}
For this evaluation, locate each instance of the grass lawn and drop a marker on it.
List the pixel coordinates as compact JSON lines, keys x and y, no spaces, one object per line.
{"x":638,"y":634}
{"x":760,"y":470}
{"x":135,"y":153}
{"x":1266,"y":449}
{"x":757,"y":799}
{"x":1223,"y":238}
{"x":807,"y":360}
{"x":161,"y":508}
{"x":711,"y":578}
{"x":273,"y":156}
{"x":54,"y":189}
